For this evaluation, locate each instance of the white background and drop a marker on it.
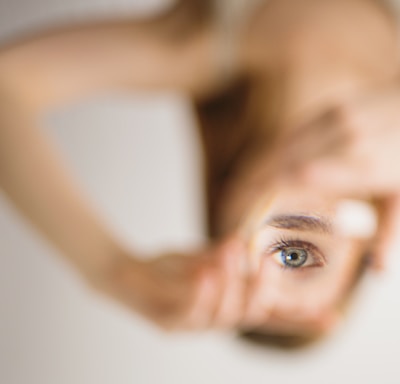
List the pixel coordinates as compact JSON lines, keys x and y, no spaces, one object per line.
{"x":138,"y":162}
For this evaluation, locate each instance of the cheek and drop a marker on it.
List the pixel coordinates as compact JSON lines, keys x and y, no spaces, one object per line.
{"x":345,"y":269}
{"x":283,"y":293}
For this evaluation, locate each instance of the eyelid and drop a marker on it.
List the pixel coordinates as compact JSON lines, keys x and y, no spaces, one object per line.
{"x":319,"y":259}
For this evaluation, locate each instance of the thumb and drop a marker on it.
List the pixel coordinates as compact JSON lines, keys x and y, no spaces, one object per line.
{"x":389,"y":227}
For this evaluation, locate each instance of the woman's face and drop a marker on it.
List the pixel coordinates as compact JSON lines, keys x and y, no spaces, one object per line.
{"x":306,"y":251}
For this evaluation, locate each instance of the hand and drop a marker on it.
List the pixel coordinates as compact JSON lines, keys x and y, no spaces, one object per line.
{"x":353,"y":150}
{"x":182,"y":292}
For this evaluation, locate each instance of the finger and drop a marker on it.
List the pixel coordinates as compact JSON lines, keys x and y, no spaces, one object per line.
{"x":230,"y":306}
{"x":388,"y":228}
{"x":258,"y":309}
{"x":312,"y":126}
{"x":327,"y":147}
{"x":337,"y":177}
{"x":204,"y":301}
{"x":326,"y":136}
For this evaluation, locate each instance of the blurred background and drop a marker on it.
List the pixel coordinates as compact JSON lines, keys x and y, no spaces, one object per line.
{"x":55,"y":331}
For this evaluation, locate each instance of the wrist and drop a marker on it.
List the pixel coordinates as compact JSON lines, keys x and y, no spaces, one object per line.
{"x":120,"y":271}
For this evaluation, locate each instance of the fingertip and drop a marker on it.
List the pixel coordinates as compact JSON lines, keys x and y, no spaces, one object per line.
{"x":233,"y":253}
{"x":199,"y":314}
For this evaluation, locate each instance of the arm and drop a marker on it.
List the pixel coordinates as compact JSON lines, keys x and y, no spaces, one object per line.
{"x":173,"y":291}
{"x":41,"y":73}
{"x":32,"y":175}
{"x":69,"y":64}
{"x":73,"y":63}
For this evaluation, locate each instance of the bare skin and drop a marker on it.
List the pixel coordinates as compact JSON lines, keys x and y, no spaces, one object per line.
{"x":66,"y":65}
{"x":70,"y":64}
{"x":298,"y":86}
{"x":315,"y":88}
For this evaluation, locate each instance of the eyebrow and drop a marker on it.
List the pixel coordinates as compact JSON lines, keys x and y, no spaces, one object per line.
{"x":301,"y":223}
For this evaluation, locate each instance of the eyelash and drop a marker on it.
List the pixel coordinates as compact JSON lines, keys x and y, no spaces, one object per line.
{"x":312,"y":250}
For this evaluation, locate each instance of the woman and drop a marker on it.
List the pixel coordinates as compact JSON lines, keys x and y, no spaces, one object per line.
{"x":282,"y":70}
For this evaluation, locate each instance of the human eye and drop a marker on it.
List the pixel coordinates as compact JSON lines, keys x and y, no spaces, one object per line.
{"x":296,"y":254}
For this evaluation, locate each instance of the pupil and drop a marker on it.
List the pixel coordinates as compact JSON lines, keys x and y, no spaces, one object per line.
{"x":294,"y":258}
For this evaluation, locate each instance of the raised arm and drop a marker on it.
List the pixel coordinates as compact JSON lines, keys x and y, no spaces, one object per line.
{"x":175,"y":51}
{"x":71,"y":63}
{"x":41,"y":73}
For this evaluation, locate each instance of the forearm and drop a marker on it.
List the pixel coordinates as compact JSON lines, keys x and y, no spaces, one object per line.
{"x":32,"y":176}
{"x":50,"y":70}
{"x":75,"y":62}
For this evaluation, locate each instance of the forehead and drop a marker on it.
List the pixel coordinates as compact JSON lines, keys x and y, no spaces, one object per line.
{"x":309,"y":210}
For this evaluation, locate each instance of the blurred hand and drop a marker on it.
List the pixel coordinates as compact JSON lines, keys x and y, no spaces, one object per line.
{"x":353,"y":151}
{"x":186,"y":292}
